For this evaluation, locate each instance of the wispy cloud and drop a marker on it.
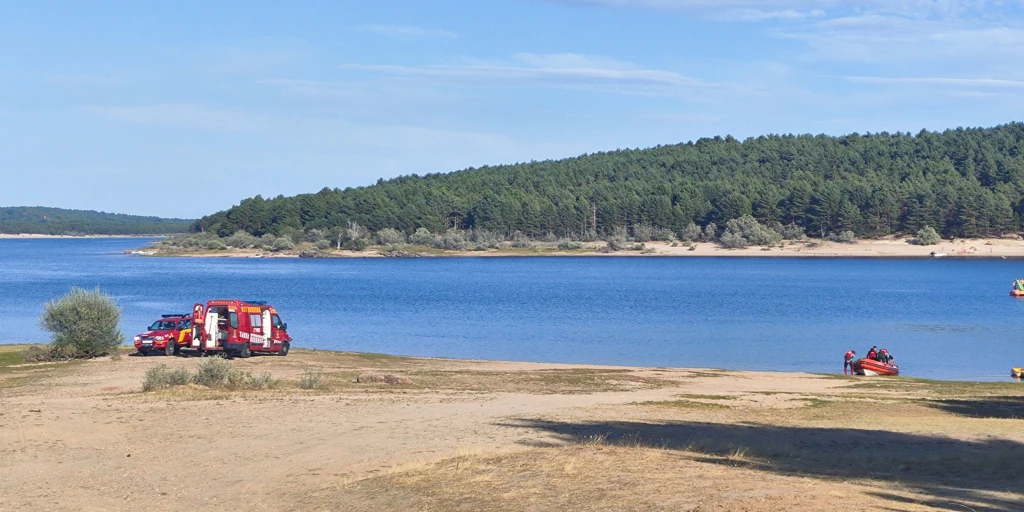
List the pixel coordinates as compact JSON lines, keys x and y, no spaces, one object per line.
{"x":407,"y":31}
{"x":545,"y":70}
{"x":996,"y":83}
{"x":180,"y":115}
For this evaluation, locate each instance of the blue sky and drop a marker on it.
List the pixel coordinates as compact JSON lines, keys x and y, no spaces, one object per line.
{"x":184,"y":108}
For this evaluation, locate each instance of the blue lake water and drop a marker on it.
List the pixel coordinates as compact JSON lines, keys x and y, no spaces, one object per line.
{"x":942,"y":318}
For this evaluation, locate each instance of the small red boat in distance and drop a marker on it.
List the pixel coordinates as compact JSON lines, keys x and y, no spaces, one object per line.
{"x":865,"y":366}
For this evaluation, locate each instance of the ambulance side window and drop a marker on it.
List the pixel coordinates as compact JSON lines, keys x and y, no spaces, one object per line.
{"x":255,"y":321}
{"x":233,"y":320}
{"x":276,"y":320}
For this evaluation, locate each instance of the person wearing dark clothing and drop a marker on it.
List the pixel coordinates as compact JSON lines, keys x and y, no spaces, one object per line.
{"x":884,"y":357}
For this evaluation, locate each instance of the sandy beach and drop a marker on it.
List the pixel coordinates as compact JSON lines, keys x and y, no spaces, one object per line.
{"x":476,"y":435}
{"x":884,"y":248}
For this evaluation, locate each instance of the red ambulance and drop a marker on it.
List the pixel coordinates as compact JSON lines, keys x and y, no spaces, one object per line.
{"x":238,"y":327}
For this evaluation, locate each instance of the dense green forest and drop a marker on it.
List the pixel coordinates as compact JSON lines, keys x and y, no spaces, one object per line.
{"x":962,"y":182}
{"x":58,"y":221}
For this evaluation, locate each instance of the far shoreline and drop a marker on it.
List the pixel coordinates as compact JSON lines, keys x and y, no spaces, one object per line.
{"x":891,"y":248}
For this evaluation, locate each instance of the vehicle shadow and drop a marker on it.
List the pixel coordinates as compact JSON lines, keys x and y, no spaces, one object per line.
{"x":953,"y":474}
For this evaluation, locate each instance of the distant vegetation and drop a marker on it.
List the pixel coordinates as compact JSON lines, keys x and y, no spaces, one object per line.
{"x":57,"y":221}
{"x":963,"y":183}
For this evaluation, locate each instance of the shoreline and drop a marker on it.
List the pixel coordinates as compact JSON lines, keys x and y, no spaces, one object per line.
{"x":990,"y":248}
{"x":40,"y":236}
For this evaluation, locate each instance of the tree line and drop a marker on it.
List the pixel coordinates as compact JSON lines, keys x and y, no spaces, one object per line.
{"x":57,"y":221}
{"x":962,"y":182}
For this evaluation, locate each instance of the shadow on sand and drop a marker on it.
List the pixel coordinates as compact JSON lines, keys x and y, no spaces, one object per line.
{"x":952,"y":474}
{"x":1002,"y":407}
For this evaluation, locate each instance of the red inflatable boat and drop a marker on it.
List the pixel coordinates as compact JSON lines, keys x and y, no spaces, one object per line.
{"x":865,"y":366}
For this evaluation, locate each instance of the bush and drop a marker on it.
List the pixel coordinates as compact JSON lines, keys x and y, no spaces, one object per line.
{"x":710,"y":232}
{"x":282,"y":244}
{"x":216,"y":245}
{"x":691,"y":233}
{"x":846,"y":237}
{"x":311,"y":379}
{"x":323,"y":245}
{"x":241,"y":240}
{"x":357,"y":244}
{"x":663,"y":235}
{"x":731,"y":240}
{"x":384,"y":378}
{"x":643,"y":232}
{"x":245,"y":380}
{"x":452,"y":240}
{"x":422,"y":236}
{"x":570,"y":245}
{"x":521,"y":241}
{"x":160,"y":377}
{"x":83,"y":323}
{"x":928,"y":236}
{"x":267,"y":241}
{"x":213,"y":372}
{"x":390,"y":236}
{"x":793,"y":232}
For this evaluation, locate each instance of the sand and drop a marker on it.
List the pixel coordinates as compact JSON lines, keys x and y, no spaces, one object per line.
{"x":474,"y":435}
{"x":883,"y":248}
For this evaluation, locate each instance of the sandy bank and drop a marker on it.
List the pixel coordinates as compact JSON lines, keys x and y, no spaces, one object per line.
{"x":473,"y":435}
{"x":885,"y":248}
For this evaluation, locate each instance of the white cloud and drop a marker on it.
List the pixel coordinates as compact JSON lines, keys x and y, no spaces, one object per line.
{"x":407,"y":31}
{"x":548,"y":70}
{"x":180,"y":115}
{"x":994,"y":83}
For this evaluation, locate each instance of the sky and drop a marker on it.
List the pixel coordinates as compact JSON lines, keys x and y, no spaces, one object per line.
{"x":184,"y":108}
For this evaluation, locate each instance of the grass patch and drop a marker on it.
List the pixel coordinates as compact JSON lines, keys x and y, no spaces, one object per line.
{"x":312,"y":379}
{"x":686,"y":404}
{"x":382,"y":378}
{"x":161,"y":377}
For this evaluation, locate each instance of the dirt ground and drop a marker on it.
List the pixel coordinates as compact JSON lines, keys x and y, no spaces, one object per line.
{"x":472,"y":435}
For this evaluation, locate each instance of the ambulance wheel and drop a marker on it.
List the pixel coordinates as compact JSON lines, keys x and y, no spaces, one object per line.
{"x":169,"y":349}
{"x":245,"y":352}
{"x":284,"y":349}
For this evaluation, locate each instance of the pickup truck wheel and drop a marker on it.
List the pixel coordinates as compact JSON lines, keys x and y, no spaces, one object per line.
{"x":283,"y":350}
{"x":169,"y":349}
{"x":245,"y":352}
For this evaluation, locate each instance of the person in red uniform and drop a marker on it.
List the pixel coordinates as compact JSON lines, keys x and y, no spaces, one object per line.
{"x":848,"y":361}
{"x":884,"y":357}
{"x":873,"y":353}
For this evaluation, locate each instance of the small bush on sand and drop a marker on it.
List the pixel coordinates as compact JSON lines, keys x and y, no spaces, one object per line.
{"x":160,"y":377}
{"x":84,"y":324}
{"x":570,"y":245}
{"x":245,"y":380}
{"x":928,"y":236}
{"x":213,"y":372}
{"x":311,"y":379}
{"x":35,"y":354}
{"x":384,"y":378}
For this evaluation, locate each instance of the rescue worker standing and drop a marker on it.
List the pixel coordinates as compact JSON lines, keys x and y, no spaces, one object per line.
{"x":848,"y":361}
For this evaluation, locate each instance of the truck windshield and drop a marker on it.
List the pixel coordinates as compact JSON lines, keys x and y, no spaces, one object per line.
{"x":163,"y":325}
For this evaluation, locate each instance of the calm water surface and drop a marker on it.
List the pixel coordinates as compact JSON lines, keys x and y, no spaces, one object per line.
{"x":944,"y":318}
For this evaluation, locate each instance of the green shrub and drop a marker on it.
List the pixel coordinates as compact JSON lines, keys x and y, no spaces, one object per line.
{"x":691,"y":233}
{"x":216,"y":245}
{"x":283,"y":244}
{"x":357,"y":244}
{"x":928,"y":236}
{"x":390,"y":236}
{"x":570,"y":245}
{"x":241,"y":240}
{"x":160,"y":377}
{"x":793,"y":232}
{"x":422,"y":236}
{"x":311,"y":379}
{"x":245,"y":380}
{"x":731,"y":240}
{"x":846,"y":237}
{"x":83,"y":323}
{"x":323,"y":245}
{"x":213,"y":372}
{"x":643,"y":232}
{"x":710,"y":232}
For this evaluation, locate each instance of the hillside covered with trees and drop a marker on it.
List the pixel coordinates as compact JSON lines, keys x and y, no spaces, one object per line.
{"x":962,"y":183}
{"x":58,"y":221}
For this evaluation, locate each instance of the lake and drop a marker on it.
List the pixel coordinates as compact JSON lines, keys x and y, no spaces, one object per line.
{"x":941,"y":318}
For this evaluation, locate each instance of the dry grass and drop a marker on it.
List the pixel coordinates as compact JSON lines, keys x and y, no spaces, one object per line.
{"x":382,"y":378}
